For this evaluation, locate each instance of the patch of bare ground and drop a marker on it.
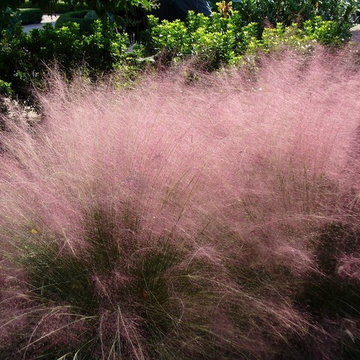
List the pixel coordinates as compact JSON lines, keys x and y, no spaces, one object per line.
{"x":356,"y":34}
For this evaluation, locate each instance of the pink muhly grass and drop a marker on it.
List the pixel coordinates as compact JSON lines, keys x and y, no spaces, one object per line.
{"x":228,"y":180}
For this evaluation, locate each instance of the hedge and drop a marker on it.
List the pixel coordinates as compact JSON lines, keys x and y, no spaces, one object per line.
{"x":30,"y":16}
{"x":84,"y":18}
{"x":58,"y":8}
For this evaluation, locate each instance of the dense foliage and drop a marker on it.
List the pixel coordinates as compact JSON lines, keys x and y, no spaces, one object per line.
{"x":214,"y":42}
{"x":84,"y":18}
{"x":8,"y":20}
{"x":24,"y":57}
{"x":219,"y":41}
{"x":4,"y":4}
{"x":290,"y":11}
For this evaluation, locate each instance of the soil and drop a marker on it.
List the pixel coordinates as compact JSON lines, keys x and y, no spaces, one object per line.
{"x":356,"y":34}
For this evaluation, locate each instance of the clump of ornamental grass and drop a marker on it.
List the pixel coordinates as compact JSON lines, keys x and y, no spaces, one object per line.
{"x":175,"y":221}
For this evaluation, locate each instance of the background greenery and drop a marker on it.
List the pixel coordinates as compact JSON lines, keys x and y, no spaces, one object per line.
{"x":102,"y":46}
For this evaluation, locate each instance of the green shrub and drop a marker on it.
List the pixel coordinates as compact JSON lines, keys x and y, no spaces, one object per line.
{"x":84,"y":18}
{"x":5,"y":88}
{"x":9,"y":21}
{"x":218,"y":41}
{"x":24,"y":58}
{"x":327,"y":32}
{"x":79,"y":41}
{"x":30,"y":16}
{"x":293,"y":11}
{"x":5,"y":91}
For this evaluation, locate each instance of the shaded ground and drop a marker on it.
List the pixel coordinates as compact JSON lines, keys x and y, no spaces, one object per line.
{"x":356,"y":34}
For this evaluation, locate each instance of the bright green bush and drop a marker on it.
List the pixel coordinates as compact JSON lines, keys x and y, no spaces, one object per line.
{"x":5,"y":88}
{"x":327,"y":32}
{"x":30,"y":16}
{"x":212,"y":41}
{"x":218,"y":41}
{"x":290,"y":11}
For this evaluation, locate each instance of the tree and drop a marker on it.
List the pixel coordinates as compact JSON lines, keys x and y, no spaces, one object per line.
{"x":12,"y":4}
{"x":8,"y":17}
